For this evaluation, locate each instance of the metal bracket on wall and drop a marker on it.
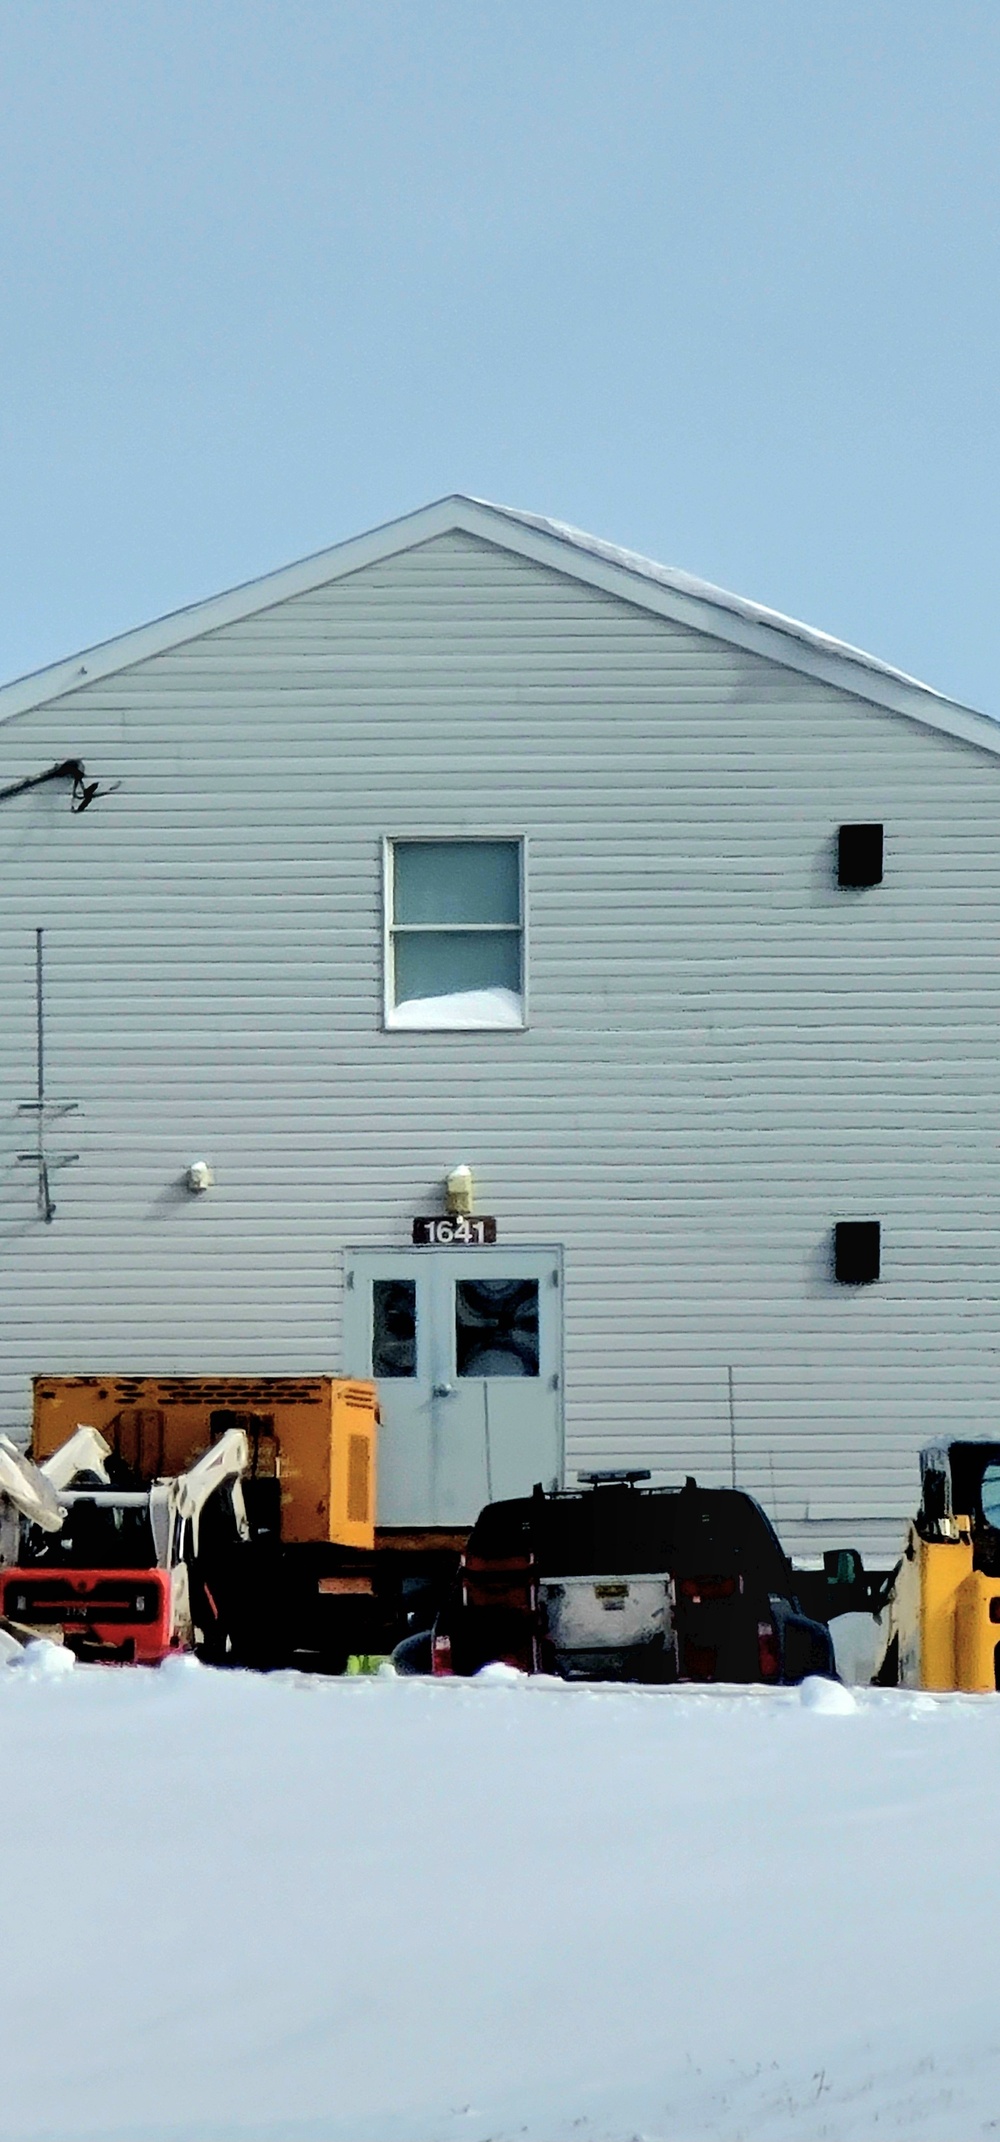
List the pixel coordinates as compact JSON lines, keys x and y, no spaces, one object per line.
{"x":44,"y":1112}
{"x":45,"y":1162}
{"x":82,"y":794}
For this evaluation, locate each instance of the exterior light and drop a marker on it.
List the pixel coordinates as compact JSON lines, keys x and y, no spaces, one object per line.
{"x":459,"y":1190}
{"x":199,"y":1176}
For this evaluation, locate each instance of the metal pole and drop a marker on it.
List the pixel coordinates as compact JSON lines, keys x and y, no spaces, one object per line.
{"x":39,"y":1107}
{"x":45,"y":1204}
{"x":40,"y":1016}
{"x":489,"y":1461}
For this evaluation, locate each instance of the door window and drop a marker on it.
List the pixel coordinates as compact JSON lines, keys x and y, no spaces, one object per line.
{"x":496,"y":1327}
{"x":394,"y":1327}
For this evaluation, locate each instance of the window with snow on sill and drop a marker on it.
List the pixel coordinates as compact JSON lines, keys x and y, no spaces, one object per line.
{"x":454,"y":948}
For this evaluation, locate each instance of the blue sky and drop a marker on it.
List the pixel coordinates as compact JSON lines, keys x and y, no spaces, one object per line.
{"x":718,"y":281}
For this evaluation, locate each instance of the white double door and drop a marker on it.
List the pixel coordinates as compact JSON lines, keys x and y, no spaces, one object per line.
{"x":466,"y":1349}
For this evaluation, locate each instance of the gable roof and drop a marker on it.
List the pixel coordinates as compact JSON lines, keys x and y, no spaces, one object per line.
{"x":673,"y":595}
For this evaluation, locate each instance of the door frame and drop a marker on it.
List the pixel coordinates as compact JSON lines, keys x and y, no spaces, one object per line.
{"x":465,"y":1258}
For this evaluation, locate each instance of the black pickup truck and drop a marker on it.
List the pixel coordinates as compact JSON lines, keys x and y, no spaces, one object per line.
{"x":616,"y":1580}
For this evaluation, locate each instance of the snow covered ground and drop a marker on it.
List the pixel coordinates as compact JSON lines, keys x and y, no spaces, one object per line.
{"x":242,"y":1909}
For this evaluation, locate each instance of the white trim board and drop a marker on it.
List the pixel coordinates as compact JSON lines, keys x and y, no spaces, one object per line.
{"x":673,"y":595}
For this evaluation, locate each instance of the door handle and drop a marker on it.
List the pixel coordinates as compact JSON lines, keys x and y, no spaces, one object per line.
{"x":442,"y":1390}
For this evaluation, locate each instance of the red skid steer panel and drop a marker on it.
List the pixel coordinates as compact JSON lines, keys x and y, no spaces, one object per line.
{"x":113,"y":1614}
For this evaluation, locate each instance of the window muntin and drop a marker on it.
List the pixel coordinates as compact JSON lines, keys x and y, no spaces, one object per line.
{"x":455,"y":950}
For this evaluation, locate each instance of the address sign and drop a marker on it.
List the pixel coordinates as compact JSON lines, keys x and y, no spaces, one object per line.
{"x":455,"y":1231}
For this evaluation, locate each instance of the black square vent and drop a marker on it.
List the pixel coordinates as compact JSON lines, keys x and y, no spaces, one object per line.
{"x":859,"y":855}
{"x":857,"y":1252}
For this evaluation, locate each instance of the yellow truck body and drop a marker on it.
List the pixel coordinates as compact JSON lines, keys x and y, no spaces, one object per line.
{"x":316,"y":1433}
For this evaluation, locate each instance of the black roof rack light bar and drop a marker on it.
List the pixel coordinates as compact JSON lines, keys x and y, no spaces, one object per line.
{"x":625,"y":1478}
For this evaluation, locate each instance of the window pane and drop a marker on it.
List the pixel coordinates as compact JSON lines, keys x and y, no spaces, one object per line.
{"x":496,"y":1327}
{"x":457,"y":881}
{"x":394,"y":1327}
{"x":991,"y":1496}
{"x":441,"y":963}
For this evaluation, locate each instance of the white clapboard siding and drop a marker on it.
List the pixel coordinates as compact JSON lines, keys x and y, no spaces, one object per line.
{"x":725,"y":1052}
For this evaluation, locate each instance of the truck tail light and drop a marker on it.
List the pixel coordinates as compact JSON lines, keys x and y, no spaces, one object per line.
{"x":696,"y":1590}
{"x":700,"y":1662}
{"x":441,"y":1655}
{"x":768,"y":1651}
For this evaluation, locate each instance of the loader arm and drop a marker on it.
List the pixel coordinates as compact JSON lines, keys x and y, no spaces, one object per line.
{"x":28,"y":1489}
{"x":178,"y":1503}
{"x":227,"y":1460}
{"x":85,"y":1451}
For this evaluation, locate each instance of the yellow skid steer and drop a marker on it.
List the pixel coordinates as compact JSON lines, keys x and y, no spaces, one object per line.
{"x":943,"y":1612}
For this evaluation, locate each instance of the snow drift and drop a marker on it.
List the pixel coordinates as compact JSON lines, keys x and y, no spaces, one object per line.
{"x":272,"y":1909}
{"x":463,"y":1008}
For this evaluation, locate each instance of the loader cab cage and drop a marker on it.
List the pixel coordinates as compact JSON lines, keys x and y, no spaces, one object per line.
{"x":96,"y":1535}
{"x":962,"y":1480}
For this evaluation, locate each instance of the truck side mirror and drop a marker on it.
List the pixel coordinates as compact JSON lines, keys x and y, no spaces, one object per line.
{"x":843,"y":1566}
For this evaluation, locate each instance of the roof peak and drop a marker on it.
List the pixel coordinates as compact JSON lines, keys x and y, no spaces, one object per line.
{"x":670,"y":593}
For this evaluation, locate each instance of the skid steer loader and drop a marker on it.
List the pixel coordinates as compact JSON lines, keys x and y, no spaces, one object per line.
{"x":943,"y":1611}
{"x":118,"y":1573}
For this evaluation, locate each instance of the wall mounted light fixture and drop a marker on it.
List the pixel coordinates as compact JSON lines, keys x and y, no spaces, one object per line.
{"x":459,"y":1190}
{"x":199,"y":1176}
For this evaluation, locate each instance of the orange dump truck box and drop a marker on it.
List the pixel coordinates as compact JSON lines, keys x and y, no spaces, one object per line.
{"x":317,"y":1433}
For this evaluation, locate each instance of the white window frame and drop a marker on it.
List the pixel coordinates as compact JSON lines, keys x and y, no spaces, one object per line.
{"x":390,"y":841}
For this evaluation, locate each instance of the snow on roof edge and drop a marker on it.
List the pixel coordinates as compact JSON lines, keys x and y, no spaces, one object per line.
{"x":682,"y":583}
